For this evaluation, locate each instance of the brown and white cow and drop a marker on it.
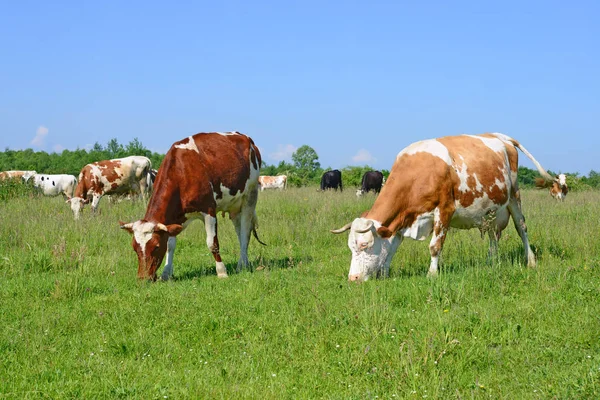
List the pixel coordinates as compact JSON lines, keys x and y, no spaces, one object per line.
{"x":200,"y":176}
{"x":272,"y":182}
{"x":110,"y":177}
{"x":24,"y":175}
{"x":558,"y":187}
{"x":466,"y":181}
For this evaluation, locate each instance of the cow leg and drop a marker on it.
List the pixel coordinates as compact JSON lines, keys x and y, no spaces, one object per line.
{"x":514,"y":207}
{"x":95,"y":201}
{"x":441,"y":222}
{"x":212,"y":241}
{"x":168,"y":269}
{"x":144,"y":188}
{"x":244,"y":222}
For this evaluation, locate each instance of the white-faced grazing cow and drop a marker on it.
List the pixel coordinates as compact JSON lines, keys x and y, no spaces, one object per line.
{"x":200,"y":176}
{"x":558,"y":187}
{"x":117,"y":176}
{"x":53,"y":185}
{"x":371,"y":181}
{"x":272,"y":182}
{"x":463,"y":182}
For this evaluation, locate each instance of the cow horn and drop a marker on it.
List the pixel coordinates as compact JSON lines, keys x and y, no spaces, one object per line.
{"x":127,"y":226}
{"x":161,"y":227}
{"x":367,"y":229}
{"x":342,"y":229}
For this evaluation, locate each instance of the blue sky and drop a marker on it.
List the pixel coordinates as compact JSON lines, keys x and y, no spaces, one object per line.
{"x":357,"y":81}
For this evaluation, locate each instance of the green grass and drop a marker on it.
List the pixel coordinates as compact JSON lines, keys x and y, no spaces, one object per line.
{"x":76,"y":323}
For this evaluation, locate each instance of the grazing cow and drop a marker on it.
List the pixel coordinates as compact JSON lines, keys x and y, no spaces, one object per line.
{"x":332,"y":180}
{"x":466,"y":181}
{"x":272,"y":182}
{"x":371,"y":180}
{"x":24,"y":175}
{"x":53,"y":185}
{"x":110,"y":177}
{"x":558,"y":187}
{"x":200,"y":176}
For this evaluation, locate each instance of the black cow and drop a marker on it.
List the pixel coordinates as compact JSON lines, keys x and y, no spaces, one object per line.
{"x":371,"y":180}
{"x":332,"y":180}
{"x":151,"y":178}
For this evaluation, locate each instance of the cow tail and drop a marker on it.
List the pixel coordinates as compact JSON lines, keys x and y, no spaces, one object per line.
{"x":546,"y":180}
{"x":254,"y":226}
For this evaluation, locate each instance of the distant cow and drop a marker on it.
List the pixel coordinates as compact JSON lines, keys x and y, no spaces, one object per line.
{"x":24,"y":175}
{"x":331,"y":180}
{"x":558,"y":187}
{"x":272,"y":182}
{"x":53,"y":185}
{"x":371,"y":180}
{"x":110,"y":177}
{"x":200,"y":176}
{"x":466,"y":181}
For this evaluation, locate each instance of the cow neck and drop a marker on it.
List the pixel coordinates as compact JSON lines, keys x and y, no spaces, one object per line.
{"x":81,"y":189}
{"x":165,"y":206}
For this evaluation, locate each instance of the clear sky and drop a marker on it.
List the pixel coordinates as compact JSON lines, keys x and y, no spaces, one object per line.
{"x":357,"y":81}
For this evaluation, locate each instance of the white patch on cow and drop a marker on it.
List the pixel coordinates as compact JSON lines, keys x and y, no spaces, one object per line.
{"x":228,"y":133}
{"x":142,"y":232}
{"x":562,"y":179}
{"x":421,"y":227}
{"x":431,"y":146}
{"x":463,"y":175}
{"x":190,"y":145}
{"x":501,"y":185}
{"x":496,"y":145}
{"x":478,"y":185}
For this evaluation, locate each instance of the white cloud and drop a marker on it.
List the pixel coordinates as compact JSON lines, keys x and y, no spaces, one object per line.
{"x":58,"y":148}
{"x":284,"y":152}
{"x":40,"y":135}
{"x":363,"y":156}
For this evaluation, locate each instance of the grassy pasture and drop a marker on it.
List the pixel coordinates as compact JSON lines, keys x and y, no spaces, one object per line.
{"x":76,"y":323}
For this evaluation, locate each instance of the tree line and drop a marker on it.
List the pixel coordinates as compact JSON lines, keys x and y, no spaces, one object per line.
{"x":304,"y":170}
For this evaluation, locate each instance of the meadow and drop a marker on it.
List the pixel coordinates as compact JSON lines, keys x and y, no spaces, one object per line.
{"x":76,"y":322}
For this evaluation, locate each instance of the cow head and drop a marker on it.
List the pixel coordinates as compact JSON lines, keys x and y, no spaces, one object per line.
{"x":150,"y":243}
{"x":371,"y":252}
{"x":28,"y":174}
{"x":359,"y":192}
{"x":77,"y":205}
{"x":559,"y":188}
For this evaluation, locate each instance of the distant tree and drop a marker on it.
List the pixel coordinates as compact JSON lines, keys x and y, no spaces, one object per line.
{"x":97,"y":147}
{"x":352,"y":176}
{"x":136,"y":148}
{"x":306,"y":166}
{"x":114,"y":149}
{"x":306,"y":159}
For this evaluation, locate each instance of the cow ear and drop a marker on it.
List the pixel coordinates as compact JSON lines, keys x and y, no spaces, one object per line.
{"x":128,"y":227}
{"x":68,"y":200}
{"x":172,"y":229}
{"x":86,"y":201}
{"x":384,"y":232}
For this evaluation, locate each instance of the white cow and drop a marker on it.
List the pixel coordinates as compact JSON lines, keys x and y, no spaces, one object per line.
{"x":53,"y":185}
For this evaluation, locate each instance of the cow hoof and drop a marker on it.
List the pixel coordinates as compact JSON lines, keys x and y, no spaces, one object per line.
{"x":165,"y":277}
{"x":223,"y":276}
{"x":432,"y":274}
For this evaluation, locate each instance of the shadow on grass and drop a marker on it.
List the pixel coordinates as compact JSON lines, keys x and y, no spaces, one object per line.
{"x":257,"y":265}
{"x":511,"y":256}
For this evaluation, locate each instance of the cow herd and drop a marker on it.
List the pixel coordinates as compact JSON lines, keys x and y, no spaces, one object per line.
{"x":464,"y":182}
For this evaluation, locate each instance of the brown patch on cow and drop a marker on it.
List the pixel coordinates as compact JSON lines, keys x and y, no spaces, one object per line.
{"x":484,"y":163}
